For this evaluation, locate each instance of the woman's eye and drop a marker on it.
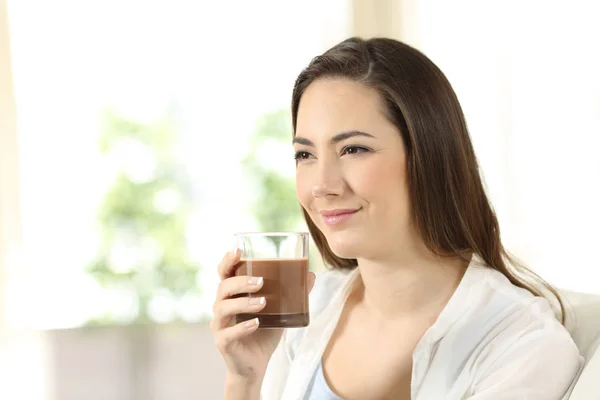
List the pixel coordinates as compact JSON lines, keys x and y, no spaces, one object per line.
{"x":302,"y":155}
{"x":354,"y":150}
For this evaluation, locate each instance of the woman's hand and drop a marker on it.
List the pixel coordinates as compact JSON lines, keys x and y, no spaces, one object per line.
{"x":245,"y":349}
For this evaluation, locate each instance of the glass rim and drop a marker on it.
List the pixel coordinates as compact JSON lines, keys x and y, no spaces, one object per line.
{"x":263,"y":234}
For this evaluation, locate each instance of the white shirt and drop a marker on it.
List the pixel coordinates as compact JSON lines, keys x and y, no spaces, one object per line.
{"x":493,"y":340}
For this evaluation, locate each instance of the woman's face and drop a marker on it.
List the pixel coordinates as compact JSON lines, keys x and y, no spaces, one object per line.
{"x":351,"y":169}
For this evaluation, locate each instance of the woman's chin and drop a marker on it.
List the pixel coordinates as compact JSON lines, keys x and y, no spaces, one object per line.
{"x":345,"y":247}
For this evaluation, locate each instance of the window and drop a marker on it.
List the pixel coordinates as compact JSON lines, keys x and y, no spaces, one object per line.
{"x":211,"y":69}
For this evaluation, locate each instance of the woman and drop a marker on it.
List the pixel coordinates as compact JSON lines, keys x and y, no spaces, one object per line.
{"x":422,"y":301}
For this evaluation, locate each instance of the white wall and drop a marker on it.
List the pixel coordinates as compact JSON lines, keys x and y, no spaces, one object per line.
{"x":526,"y":75}
{"x":22,"y":369}
{"x":135,"y":363}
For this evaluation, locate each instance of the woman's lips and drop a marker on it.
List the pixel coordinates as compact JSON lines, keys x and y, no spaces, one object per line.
{"x":336,"y":217}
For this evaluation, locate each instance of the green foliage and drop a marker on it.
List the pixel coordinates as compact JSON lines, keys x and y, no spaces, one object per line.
{"x":276,"y":125}
{"x":275,"y":206}
{"x":134,"y":224}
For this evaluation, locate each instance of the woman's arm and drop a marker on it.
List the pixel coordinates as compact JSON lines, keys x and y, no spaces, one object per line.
{"x":240,"y":389}
{"x":267,"y":387}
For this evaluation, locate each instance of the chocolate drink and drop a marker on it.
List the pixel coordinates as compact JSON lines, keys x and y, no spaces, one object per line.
{"x":285,"y":289}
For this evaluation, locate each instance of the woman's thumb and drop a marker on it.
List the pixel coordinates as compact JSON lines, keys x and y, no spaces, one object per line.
{"x":311,"y":280}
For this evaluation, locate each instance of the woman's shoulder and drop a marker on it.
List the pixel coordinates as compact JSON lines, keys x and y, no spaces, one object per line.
{"x":501,"y":306}
{"x":515,"y":303}
{"x":489,"y":314}
{"x":514,"y":326}
{"x":509,"y":335}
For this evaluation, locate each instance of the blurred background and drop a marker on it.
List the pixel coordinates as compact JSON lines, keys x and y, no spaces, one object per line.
{"x":137,"y":137}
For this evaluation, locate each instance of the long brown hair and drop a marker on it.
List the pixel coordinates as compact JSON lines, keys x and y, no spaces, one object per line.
{"x":450,"y":208}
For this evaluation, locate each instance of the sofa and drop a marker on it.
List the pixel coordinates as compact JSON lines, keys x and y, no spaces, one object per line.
{"x":583,"y":322}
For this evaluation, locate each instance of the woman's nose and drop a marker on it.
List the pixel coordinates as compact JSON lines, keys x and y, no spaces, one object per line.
{"x":328,"y":182}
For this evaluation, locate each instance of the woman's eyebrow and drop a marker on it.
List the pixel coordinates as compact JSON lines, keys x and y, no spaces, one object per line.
{"x":337,"y":138}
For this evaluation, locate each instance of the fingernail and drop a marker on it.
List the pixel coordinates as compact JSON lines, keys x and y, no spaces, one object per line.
{"x":233,"y":252}
{"x":252,"y":323}
{"x":255,"y":280}
{"x":254,"y":301}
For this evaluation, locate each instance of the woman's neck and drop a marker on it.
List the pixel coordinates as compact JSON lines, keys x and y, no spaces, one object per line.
{"x":408,"y":285}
